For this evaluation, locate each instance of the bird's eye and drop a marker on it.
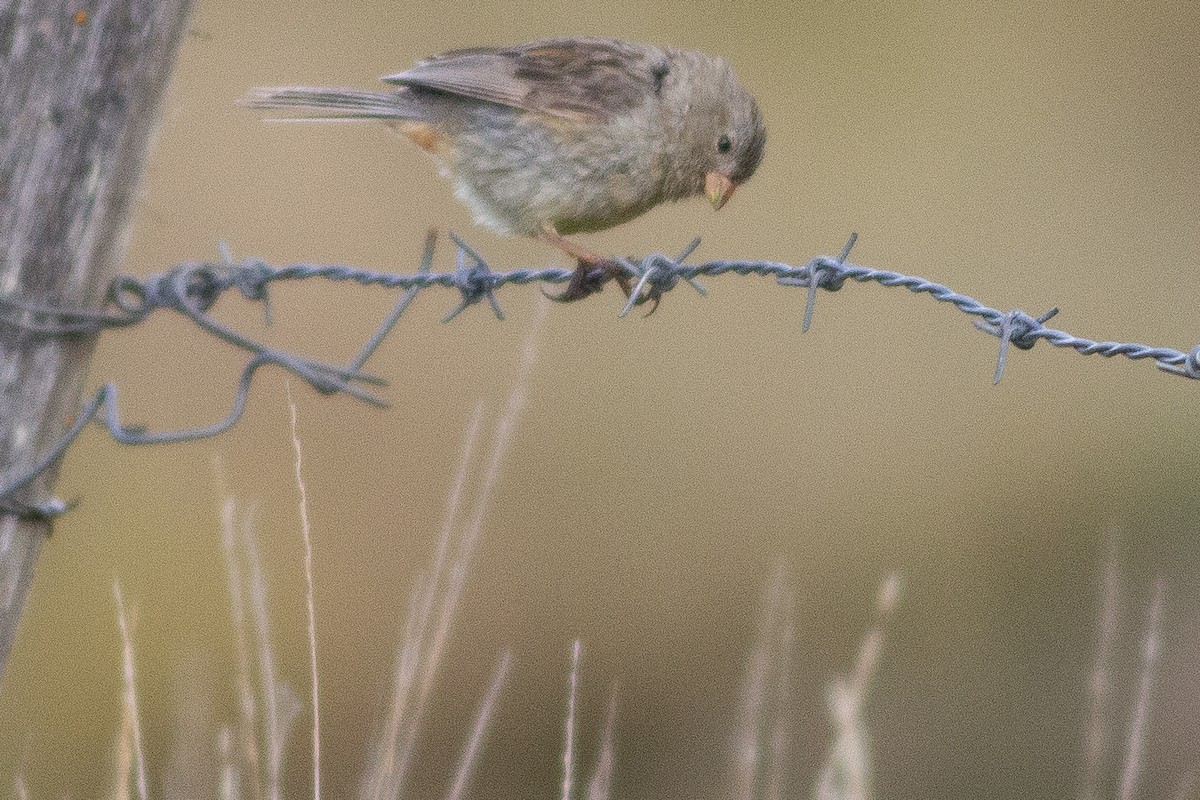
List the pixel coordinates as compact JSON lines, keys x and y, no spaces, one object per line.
{"x":724,"y":145}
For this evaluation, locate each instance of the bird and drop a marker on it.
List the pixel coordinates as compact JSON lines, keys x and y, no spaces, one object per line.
{"x":563,"y":135}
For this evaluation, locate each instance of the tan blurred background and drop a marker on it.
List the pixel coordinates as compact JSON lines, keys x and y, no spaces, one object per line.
{"x":1028,"y":156}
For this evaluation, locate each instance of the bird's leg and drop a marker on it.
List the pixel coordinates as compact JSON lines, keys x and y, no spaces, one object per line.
{"x":590,"y":274}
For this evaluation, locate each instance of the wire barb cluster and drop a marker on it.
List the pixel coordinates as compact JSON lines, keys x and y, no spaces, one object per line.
{"x":192,"y":288}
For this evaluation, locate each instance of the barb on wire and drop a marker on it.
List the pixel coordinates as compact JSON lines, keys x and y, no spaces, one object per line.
{"x":820,"y":275}
{"x":192,"y":288}
{"x":475,"y":282}
{"x":660,"y":280}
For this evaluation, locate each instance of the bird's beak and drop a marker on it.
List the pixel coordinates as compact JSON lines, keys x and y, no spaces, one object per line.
{"x":718,"y":189}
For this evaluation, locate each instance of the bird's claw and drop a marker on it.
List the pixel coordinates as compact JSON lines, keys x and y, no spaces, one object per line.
{"x":652,"y":296}
{"x":589,"y":278}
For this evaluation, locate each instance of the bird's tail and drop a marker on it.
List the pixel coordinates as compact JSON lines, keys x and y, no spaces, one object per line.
{"x":331,"y":102}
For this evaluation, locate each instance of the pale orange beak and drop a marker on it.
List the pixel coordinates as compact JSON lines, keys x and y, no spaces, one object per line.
{"x":718,"y":189}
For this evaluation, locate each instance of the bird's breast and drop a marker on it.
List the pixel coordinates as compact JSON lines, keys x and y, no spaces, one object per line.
{"x":521,"y":171}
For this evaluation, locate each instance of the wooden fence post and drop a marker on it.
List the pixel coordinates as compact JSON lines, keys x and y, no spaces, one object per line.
{"x":81,"y":84}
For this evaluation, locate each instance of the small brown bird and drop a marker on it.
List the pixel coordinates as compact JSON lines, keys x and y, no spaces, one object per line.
{"x":561,"y":136}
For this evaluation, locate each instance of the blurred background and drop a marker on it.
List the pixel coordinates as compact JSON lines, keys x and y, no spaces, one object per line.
{"x":1026,"y":154}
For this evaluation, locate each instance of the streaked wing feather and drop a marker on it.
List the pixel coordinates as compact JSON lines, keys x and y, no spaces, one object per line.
{"x":480,"y":75}
{"x":571,"y":78}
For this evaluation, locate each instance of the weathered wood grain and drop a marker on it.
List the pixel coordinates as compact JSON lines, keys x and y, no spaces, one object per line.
{"x":80,"y":88}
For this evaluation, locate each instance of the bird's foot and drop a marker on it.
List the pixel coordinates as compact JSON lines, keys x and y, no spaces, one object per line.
{"x":589,"y":278}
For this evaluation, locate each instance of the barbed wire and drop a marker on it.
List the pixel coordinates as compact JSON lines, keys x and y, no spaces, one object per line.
{"x":191,"y":289}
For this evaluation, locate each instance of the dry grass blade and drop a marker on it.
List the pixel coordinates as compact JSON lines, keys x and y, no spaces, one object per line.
{"x":280,"y":707}
{"x":762,"y":676}
{"x":131,"y":739}
{"x":1100,"y":687}
{"x":780,"y":727}
{"x":253,"y":767}
{"x":415,"y":656}
{"x":600,"y":786}
{"x":309,"y":597}
{"x":847,"y":771}
{"x":1136,"y":739}
{"x":247,"y":705}
{"x":228,"y":785}
{"x":483,"y":717}
{"x":435,"y":602}
{"x":569,"y":743}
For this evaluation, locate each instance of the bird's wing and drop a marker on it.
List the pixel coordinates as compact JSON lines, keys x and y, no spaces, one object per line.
{"x":571,"y":78}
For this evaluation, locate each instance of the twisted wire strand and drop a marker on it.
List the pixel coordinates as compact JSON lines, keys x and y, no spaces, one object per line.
{"x":191,"y":289}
